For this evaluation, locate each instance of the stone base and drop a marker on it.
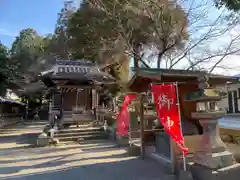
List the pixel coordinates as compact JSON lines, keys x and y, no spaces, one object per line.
{"x":42,"y":140}
{"x":122,"y":141}
{"x":46,"y":129}
{"x":184,"y":175}
{"x":214,"y":160}
{"x":54,"y":141}
{"x":235,"y":150}
{"x":203,"y":173}
{"x":134,"y":151}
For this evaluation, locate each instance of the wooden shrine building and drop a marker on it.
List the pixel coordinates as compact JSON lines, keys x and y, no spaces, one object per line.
{"x":188,"y":82}
{"x":72,"y":87}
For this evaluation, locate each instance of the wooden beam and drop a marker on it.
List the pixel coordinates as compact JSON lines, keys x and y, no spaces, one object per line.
{"x":74,"y":86}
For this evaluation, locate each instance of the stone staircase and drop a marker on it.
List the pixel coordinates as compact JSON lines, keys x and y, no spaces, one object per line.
{"x":82,"y":133}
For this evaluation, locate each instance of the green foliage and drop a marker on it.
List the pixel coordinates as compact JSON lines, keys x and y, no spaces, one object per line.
{"x":3,"y":58}
{"x":3,"y":69}
{"x":233,"y":5}
{"x":103,"y":30}
{"x":26,"y":48}
{"x":7,"y":72}
{"x":59,"y":45}
{"x":91,"y":31}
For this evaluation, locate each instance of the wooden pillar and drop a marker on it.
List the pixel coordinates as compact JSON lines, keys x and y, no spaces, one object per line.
{"x":76,"y":105}
{"x":87,"y":94}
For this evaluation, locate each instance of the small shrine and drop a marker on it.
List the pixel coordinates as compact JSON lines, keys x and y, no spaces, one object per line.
{"x":208,"y":157}
{"x":73,"y":91}
{"x":11,"y":111}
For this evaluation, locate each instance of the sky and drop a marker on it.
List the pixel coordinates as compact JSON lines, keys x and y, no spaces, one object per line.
{"x":16,"y":15}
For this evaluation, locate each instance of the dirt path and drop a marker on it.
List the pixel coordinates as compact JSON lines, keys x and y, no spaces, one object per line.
{"x":95,"y":160}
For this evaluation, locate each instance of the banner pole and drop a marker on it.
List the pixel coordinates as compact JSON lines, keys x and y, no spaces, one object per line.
{"x":179,"y":112}
{"x":141,"y":117}
{"x":130,"y":130}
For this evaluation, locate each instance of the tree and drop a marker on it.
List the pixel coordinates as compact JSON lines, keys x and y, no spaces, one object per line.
{"x":201,"y":41}
{"x":233,"y":5}
{"x":59,"y":44}
{"x":26,"y":48}
{"x":94,"y":37}
{"x":3,"y":69}
{"x":126,"y":26}
{"x":169,"y":26}
{"x":173,"y":34}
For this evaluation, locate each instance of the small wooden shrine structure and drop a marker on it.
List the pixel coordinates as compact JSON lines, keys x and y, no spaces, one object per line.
{"x":10,"y":111}
{"x":72,"y":87}
{"x":188,"y":82}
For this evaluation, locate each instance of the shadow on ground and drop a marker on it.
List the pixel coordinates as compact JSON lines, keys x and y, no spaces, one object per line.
{"x":87,"y":147}
{"x":133,"y":169}
{"x":21,"y":133}
{"x":90,"y":160}
{"x":28,"y":138}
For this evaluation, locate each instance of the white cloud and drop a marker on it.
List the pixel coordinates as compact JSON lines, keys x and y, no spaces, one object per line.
{"x":6,"y":32}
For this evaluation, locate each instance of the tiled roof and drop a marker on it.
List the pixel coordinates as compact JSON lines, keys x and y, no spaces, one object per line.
{"x":74,"y":67}
{"x":75,"y":63}
{"x":76,"y":70}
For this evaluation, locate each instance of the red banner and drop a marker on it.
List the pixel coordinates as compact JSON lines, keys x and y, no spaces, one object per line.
{"x":165,"y":100}
{"x":123,"y":118}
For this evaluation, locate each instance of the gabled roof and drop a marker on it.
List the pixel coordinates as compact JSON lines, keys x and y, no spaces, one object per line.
{"x":67,"y":67}
{"x":178,"y":75}
{"x":79,"y":70}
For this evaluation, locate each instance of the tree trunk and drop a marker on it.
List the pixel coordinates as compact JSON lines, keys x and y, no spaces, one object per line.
{"x":159,"y":60}
{"x":3,"y":89}
{"x":135,"y":56}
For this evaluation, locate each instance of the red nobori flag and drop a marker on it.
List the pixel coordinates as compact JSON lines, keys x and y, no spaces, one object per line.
{"x":123,"y":118}
{"x":165,"y":100}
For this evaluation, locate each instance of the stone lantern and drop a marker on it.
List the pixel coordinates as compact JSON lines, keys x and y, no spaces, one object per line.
{"x":212,"y":156}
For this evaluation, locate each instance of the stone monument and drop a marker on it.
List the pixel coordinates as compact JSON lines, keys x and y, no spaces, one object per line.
{"x":212,"y":160}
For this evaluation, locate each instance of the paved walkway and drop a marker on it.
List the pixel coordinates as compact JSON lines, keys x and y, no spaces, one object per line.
{"x":95,"y":160}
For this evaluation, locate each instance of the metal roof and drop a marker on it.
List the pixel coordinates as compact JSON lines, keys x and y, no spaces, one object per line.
{"x":153,"y":72}
{"x":164,"y":75}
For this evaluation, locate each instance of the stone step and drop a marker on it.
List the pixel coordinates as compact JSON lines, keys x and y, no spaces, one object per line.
{"x":74,"y":130}
{"x":81,"y":133}
{"x":85,"y":137}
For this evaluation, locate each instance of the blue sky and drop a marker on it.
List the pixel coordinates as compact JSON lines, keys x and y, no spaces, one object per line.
{"x":40,"y":15}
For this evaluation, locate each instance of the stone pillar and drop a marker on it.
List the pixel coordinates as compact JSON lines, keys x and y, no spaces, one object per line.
{"x":212,"y":152}
{"x":94,"y":103}
{"x":50,"y":118}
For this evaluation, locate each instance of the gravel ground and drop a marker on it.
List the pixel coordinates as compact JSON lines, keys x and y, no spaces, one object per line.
{"x":93,"y":160}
